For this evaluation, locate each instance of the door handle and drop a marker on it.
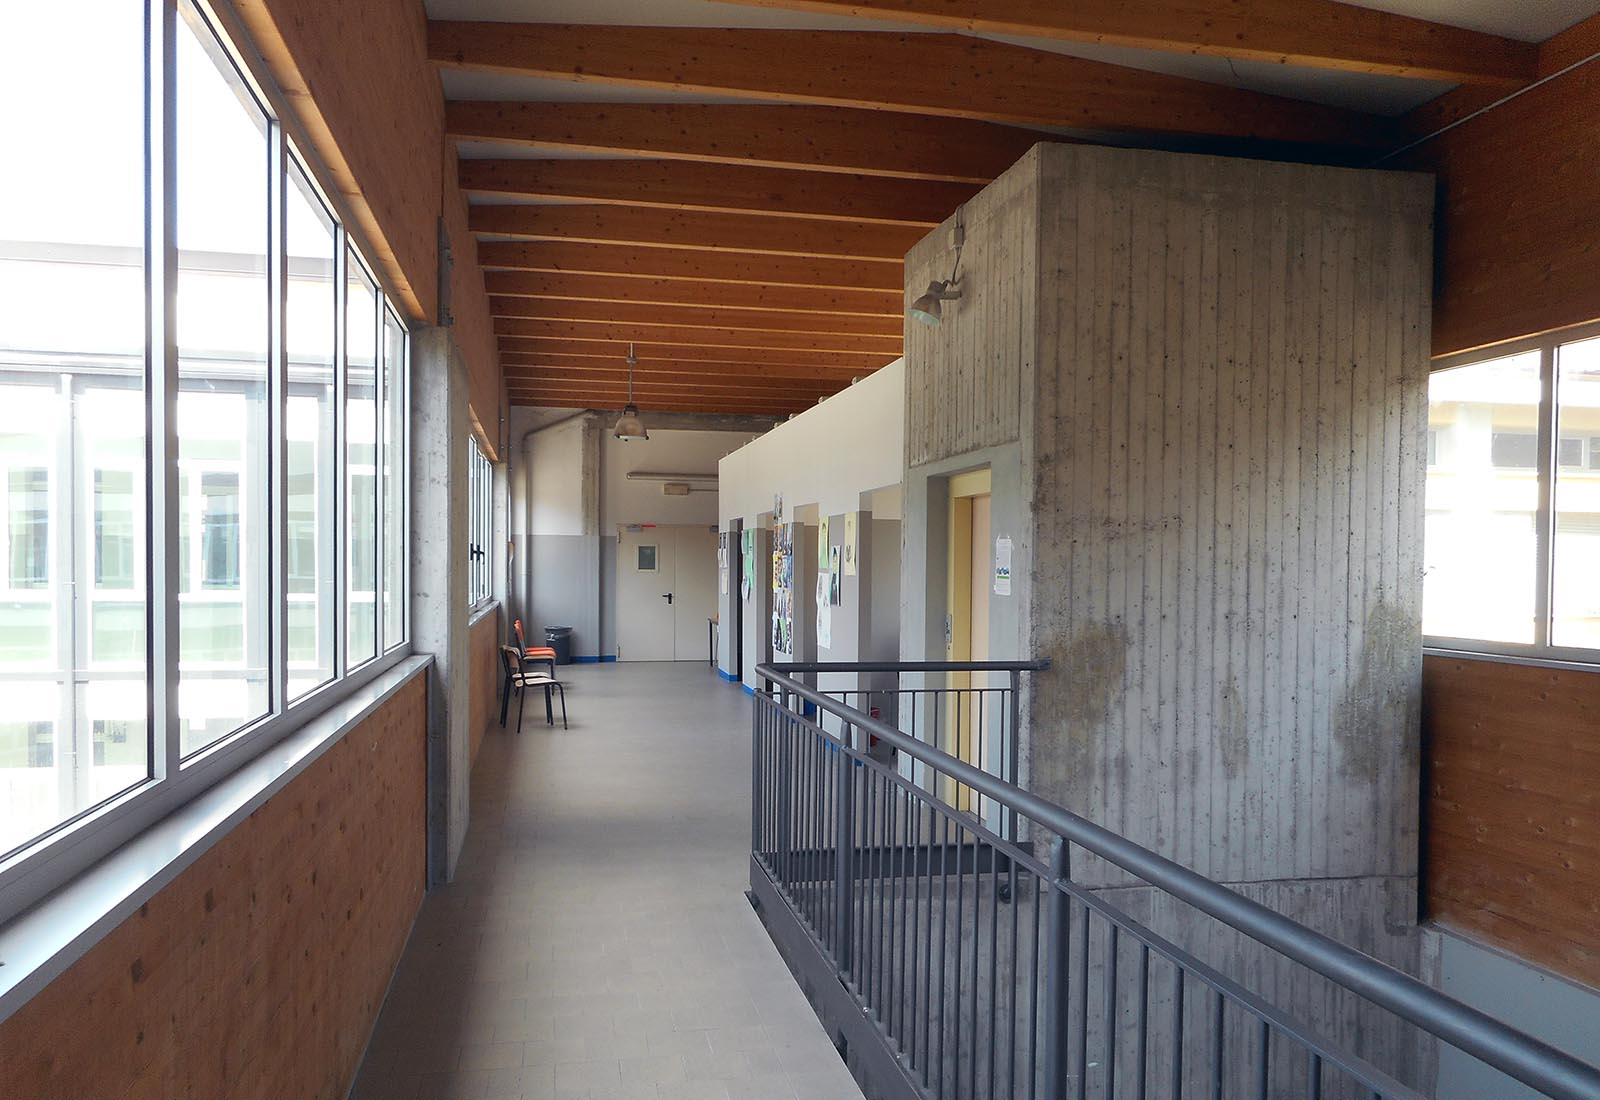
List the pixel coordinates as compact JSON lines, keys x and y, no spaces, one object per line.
{"x":668,"y":597}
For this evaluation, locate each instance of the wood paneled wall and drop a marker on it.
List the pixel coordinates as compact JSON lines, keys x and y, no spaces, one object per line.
{"x":483,"y":646}
{"x":1511,"y":838}
{"x":1227,"y":476}
{"x":258,"y":972}
{"x":965,"y":378}
{"x":1519,"y":215}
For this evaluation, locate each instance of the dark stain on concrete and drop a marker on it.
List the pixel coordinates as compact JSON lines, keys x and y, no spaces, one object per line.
{"x":1087,"y":675}
{"x":1233,"y":733}
{"x":1379,"y":706}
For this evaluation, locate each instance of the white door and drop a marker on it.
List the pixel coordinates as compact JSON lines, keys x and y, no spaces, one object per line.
{"x":645,"y":579}
{"x":695,"y":599}
{"x":666,"y":593}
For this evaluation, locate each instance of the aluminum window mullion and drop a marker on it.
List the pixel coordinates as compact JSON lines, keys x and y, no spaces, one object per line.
{"x":341,"y":466}
{"x":1544,"y":522}
{"x":380,"y":451}
{"x":277,"y":572}
{"x":161,"y":390}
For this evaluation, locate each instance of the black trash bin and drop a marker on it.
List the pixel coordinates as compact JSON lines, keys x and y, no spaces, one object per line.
{"x":559,"y":638}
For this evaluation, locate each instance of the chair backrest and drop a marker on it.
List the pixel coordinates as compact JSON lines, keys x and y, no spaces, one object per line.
{"x":510,"y":659}
{"x":516,"y":626}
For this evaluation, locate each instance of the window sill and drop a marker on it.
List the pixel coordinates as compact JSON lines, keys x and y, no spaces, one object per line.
{"x":41,"y":943}
{"x":1536,"y":660}
{"x":476,"y":615}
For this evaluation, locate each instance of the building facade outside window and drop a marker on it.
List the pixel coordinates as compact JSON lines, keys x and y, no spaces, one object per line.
{"x":276,"y":499}
{"x":1513,"y":501}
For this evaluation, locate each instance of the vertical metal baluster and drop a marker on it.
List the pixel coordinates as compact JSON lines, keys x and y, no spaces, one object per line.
{"x":1082,"y":1089}
{"x":890,"y":933}
{"x":1176,"y":1089}
{"x":1142,"y":1036}
{"x":961,"y":920}
{"x":873,"y":899}
{"x":1219,"y":1009}
{"x":903,"y":944}
{"x":1314,"y":1078}
{"x":977,"y":938}
{"x":1263,"y":1060}
{"x":1110,"y":972}
{"x":1011,"y":999}
{"x":843,"y":854}
{"x":944,"y":936}
{"x":994,"y":960}
{"x":1058,"y":977}
{"x":1014,"y":742}
{"x":1034,"y":1042}
{"x":927,"y":960}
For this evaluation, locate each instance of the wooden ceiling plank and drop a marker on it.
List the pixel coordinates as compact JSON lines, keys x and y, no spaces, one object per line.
{"x":678,"y":384}
{"x":936,"y":74}
{"x":674,"y":263}
{"x":716,"y":188}
{"x":886,"y":330}
{"x":684,"y":229}
{"x":1322,"y":34}
{"x":695,"y":295}
{"x":824,"y":139}
{"x":614,"y":399}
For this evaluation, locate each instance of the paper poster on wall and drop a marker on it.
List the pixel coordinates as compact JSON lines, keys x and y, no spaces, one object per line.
{"x":1002,"y":566}
{"x":747,"y":561}
{"x":824,"y":611}
{"x":822,"y":542}
{"x":835,"y":577}
{"x":722,"y":564}
{"x":849,"y":544}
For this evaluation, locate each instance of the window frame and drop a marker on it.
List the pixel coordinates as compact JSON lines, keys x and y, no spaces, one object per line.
{"x":1546,"y":472}
{"x":51,"y":859}
{"x":480,"y":526}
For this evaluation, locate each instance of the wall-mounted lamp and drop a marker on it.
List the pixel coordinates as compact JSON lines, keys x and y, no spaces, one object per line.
{"x":929,"y":307}
{"x":629,"y":426}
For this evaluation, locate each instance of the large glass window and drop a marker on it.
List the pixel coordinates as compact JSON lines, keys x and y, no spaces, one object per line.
{"x":313,"y":461}
{"x":361,"y":462}
{"x":72,"y":446}
{"x":1513,"y":501}
{"x":480,"y":522}
{"x":273,"y":503}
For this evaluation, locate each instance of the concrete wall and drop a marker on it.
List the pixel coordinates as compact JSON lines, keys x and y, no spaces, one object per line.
{"x":628,"y":501}
{"x":1213,"y":480}
{"x":258,"y":972}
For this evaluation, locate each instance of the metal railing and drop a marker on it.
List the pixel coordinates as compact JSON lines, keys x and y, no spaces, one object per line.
{"x":981,"y":969}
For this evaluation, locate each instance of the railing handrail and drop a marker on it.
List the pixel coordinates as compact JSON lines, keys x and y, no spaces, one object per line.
{"x":1515,"y":1053}
{"x":805,"y":667}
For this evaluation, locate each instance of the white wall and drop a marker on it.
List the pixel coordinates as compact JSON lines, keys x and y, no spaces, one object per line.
{"x":556,"y":462}
{"x":852,"y":443}
{"x":668,"y":452}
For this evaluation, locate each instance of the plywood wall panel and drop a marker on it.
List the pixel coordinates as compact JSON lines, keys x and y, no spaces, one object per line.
{"x":1232,"y":365}
{"x":1511,"y":851}
{"x":1519,"y":215}
{"x":258,"y":972}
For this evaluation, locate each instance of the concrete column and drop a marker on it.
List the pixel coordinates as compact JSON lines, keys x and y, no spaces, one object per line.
{"x":439,"y":584}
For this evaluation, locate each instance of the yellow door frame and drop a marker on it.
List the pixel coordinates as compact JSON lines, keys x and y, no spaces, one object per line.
{"x":958,"y":736}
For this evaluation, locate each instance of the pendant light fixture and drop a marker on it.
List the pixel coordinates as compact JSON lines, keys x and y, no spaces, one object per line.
{"x":629,"y":426}
{"x":929,"y":307}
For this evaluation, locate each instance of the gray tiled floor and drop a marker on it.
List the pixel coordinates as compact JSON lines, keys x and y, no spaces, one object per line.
{"x":597,"y":942}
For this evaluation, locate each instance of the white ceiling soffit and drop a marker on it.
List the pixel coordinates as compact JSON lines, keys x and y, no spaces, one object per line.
{"x":1529,"y":20}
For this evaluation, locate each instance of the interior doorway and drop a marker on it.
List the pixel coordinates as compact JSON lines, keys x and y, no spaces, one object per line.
{"x":967,"y":626}
{"x":666,"y":593}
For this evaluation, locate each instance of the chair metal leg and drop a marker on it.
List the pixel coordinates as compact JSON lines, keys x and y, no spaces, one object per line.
{"x":505,"y":699}
{"x":549,"y":711}
{"x":522,"y":701}
{"x":562,"y":689}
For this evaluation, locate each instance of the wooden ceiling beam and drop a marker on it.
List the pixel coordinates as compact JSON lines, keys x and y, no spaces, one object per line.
{"x":655,"y":228}
{"x":572,"y":258}
{"x":662,"y":383}
{"x":622,"y":332}
{"x":591,"y":397}
{"x":802,"y":301}
{"x":823,"y":139}
{"x":1322,"y":34}
{"x":596,"y":339}
{"x":778,"y":360}
{"x":751,"y":367}
{"x":934,"y":74}
{"x":884,"y":332}
{"x":716,"y":188}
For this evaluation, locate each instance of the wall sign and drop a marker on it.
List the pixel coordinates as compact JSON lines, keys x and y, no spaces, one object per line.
{"x":1002,"y":566}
